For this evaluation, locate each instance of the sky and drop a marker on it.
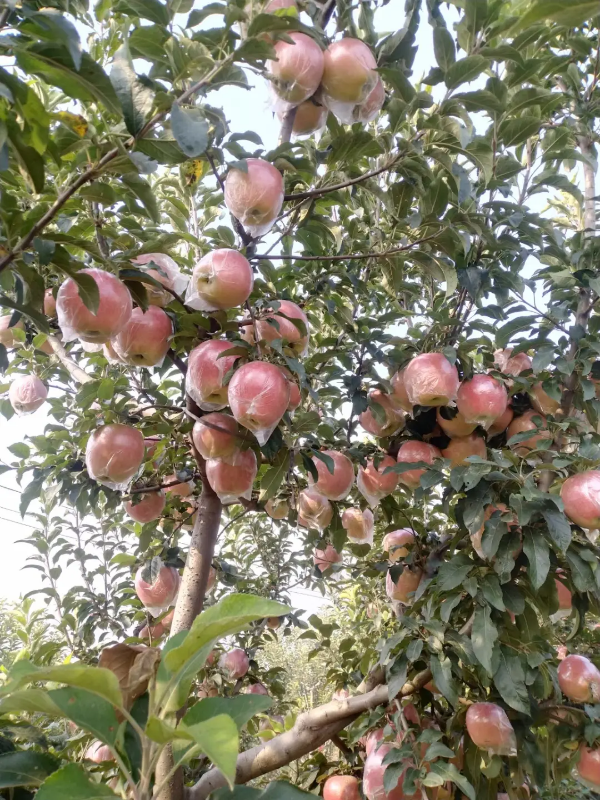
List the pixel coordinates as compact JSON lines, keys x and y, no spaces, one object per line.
{"x":245,"y":110}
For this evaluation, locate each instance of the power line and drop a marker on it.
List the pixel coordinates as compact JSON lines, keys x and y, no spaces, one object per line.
{"x":14,"y":522}
{"x":16,"y":511}
{"x":8,"y":489}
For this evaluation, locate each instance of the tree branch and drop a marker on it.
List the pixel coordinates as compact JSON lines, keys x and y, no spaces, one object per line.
{"x":92,"y":172}
{"x":349,"y":256}
{"x":311,"y":730}
{"x":65,"y":359}
{"x":336,"y":186}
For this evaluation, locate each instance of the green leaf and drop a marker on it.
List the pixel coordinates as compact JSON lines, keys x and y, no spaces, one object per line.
{"x":26,"y":768}
{"x":537,"y":551}
{"x":135,"y":98}
{"x":492,"y":591}
{"x":144,"y":192}
{"x":512,"y":132}
{"x":53,"y":63}
{"x":452,"y":573}
{"x":448,"y":772}
{"x":72,"y":783}
{"x":559,"y":528}
{"x":277,"y":790}
{"x":273,"y":477}
{"x":159,"y":731}
{"x":465,"y":70}
{"x":94,"y":679}
{"x":441,"y":669}
{"x":509,"y":679}
{"x":185,"y":654}
{"x":190,"y":128}
{"x":146,"y":9}
{"x":19,"y":450}
{"x":218,"y":738}
{"x":444,"y":48}
{"x":52,"y":26}
{"x":241,"y":708}
{"x":570,"y":14}
{"x":483,"y":636}
{"x":98,"y":192}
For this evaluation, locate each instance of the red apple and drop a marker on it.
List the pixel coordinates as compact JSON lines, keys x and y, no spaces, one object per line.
{"x":98,"y":752}
{"x":149,"y":507}
{"x":310,"y":117}
{"x":233,"y":477}
{"x":394,"y":419}
{"x":255,"y":197}
{"x":405,"y":586}
{"x":372,"y":739}
{"x":462,"y":447}
{"x":7,"y":337}
{"x":358,"y":525}
{"x":314,"y":510}
{"x":113,"y":314}
{"x":542,"y":402}
{"x":565,"y":598}
{"x":482,"y":400}
{"x":281,"y":327}
{"x":297,"y":73}
{"x":349,"y":72}
{"x":235,"y":663}
{"x":456,"y":425}
{"x":373,"y":778}
{"x":114,"y":454}
{"x":395,"y":543}
{"x":490,"y":729}
{"x":26,"y":394}
{"x":512,"y":365}
{"x":276,"y":5}
{"x":256,"y":688}
{"x":431,"y":380}
{"x":581,"y":497}
{"x":325,"y":559}
{"x":373,"y":484}
{"x":49,"y":303}
{"x":207,"y":368}
{"x":162,"y":592}
{"x":411,"y":452}
{"x":163,"y":269}
{"x":259,"y":395}
{"x":529,"y":421}
{"x":295,"y":396}
{"x":588,"y":767}
{"x":489,"y":511}
{"x":341,"y":787}
{"x":367,"y":111}
{"x":217,"y":436}
{"x":277,"y":508}
{"x":183,"y":489}
{"x":145,"y":339}
{"x":501,"y":424}
{"x":579,"y":679}
{"x":334,"y":485}
{"x":399,"y":396}
{"x":222,"y":279}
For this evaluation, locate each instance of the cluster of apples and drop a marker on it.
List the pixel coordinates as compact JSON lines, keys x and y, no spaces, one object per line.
{"x":342,"y":79}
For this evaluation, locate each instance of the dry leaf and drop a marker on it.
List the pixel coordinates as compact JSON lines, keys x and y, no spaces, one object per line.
{"x":134,"y":666}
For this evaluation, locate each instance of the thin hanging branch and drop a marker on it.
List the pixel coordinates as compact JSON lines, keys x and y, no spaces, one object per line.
{"x":93,"y":171}
{"x":344,"y":185}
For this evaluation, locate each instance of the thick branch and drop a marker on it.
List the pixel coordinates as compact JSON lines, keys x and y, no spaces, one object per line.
{"x":65,"y":359}
{"x":92,"y":172}
{"x":287,"y":125}
{"x":350,"y":182}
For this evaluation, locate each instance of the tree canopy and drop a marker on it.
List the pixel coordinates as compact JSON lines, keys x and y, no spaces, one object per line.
{"x":365,"y":362}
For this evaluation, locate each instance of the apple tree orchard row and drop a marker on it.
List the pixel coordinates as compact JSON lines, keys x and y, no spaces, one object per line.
{"x":478,"y":460}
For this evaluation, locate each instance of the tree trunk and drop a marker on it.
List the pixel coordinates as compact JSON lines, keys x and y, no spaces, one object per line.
{"x":191,"y":600}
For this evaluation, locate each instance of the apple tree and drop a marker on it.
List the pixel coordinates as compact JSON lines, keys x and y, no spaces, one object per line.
{"x":363,"y":362}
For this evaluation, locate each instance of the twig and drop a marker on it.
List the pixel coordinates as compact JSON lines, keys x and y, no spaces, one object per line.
{"x":349,"y":256}
{"x":350,"y":182}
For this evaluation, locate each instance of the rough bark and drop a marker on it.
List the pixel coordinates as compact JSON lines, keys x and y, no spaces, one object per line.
{"x":312,"y":729}
{"x":191,"y":600}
